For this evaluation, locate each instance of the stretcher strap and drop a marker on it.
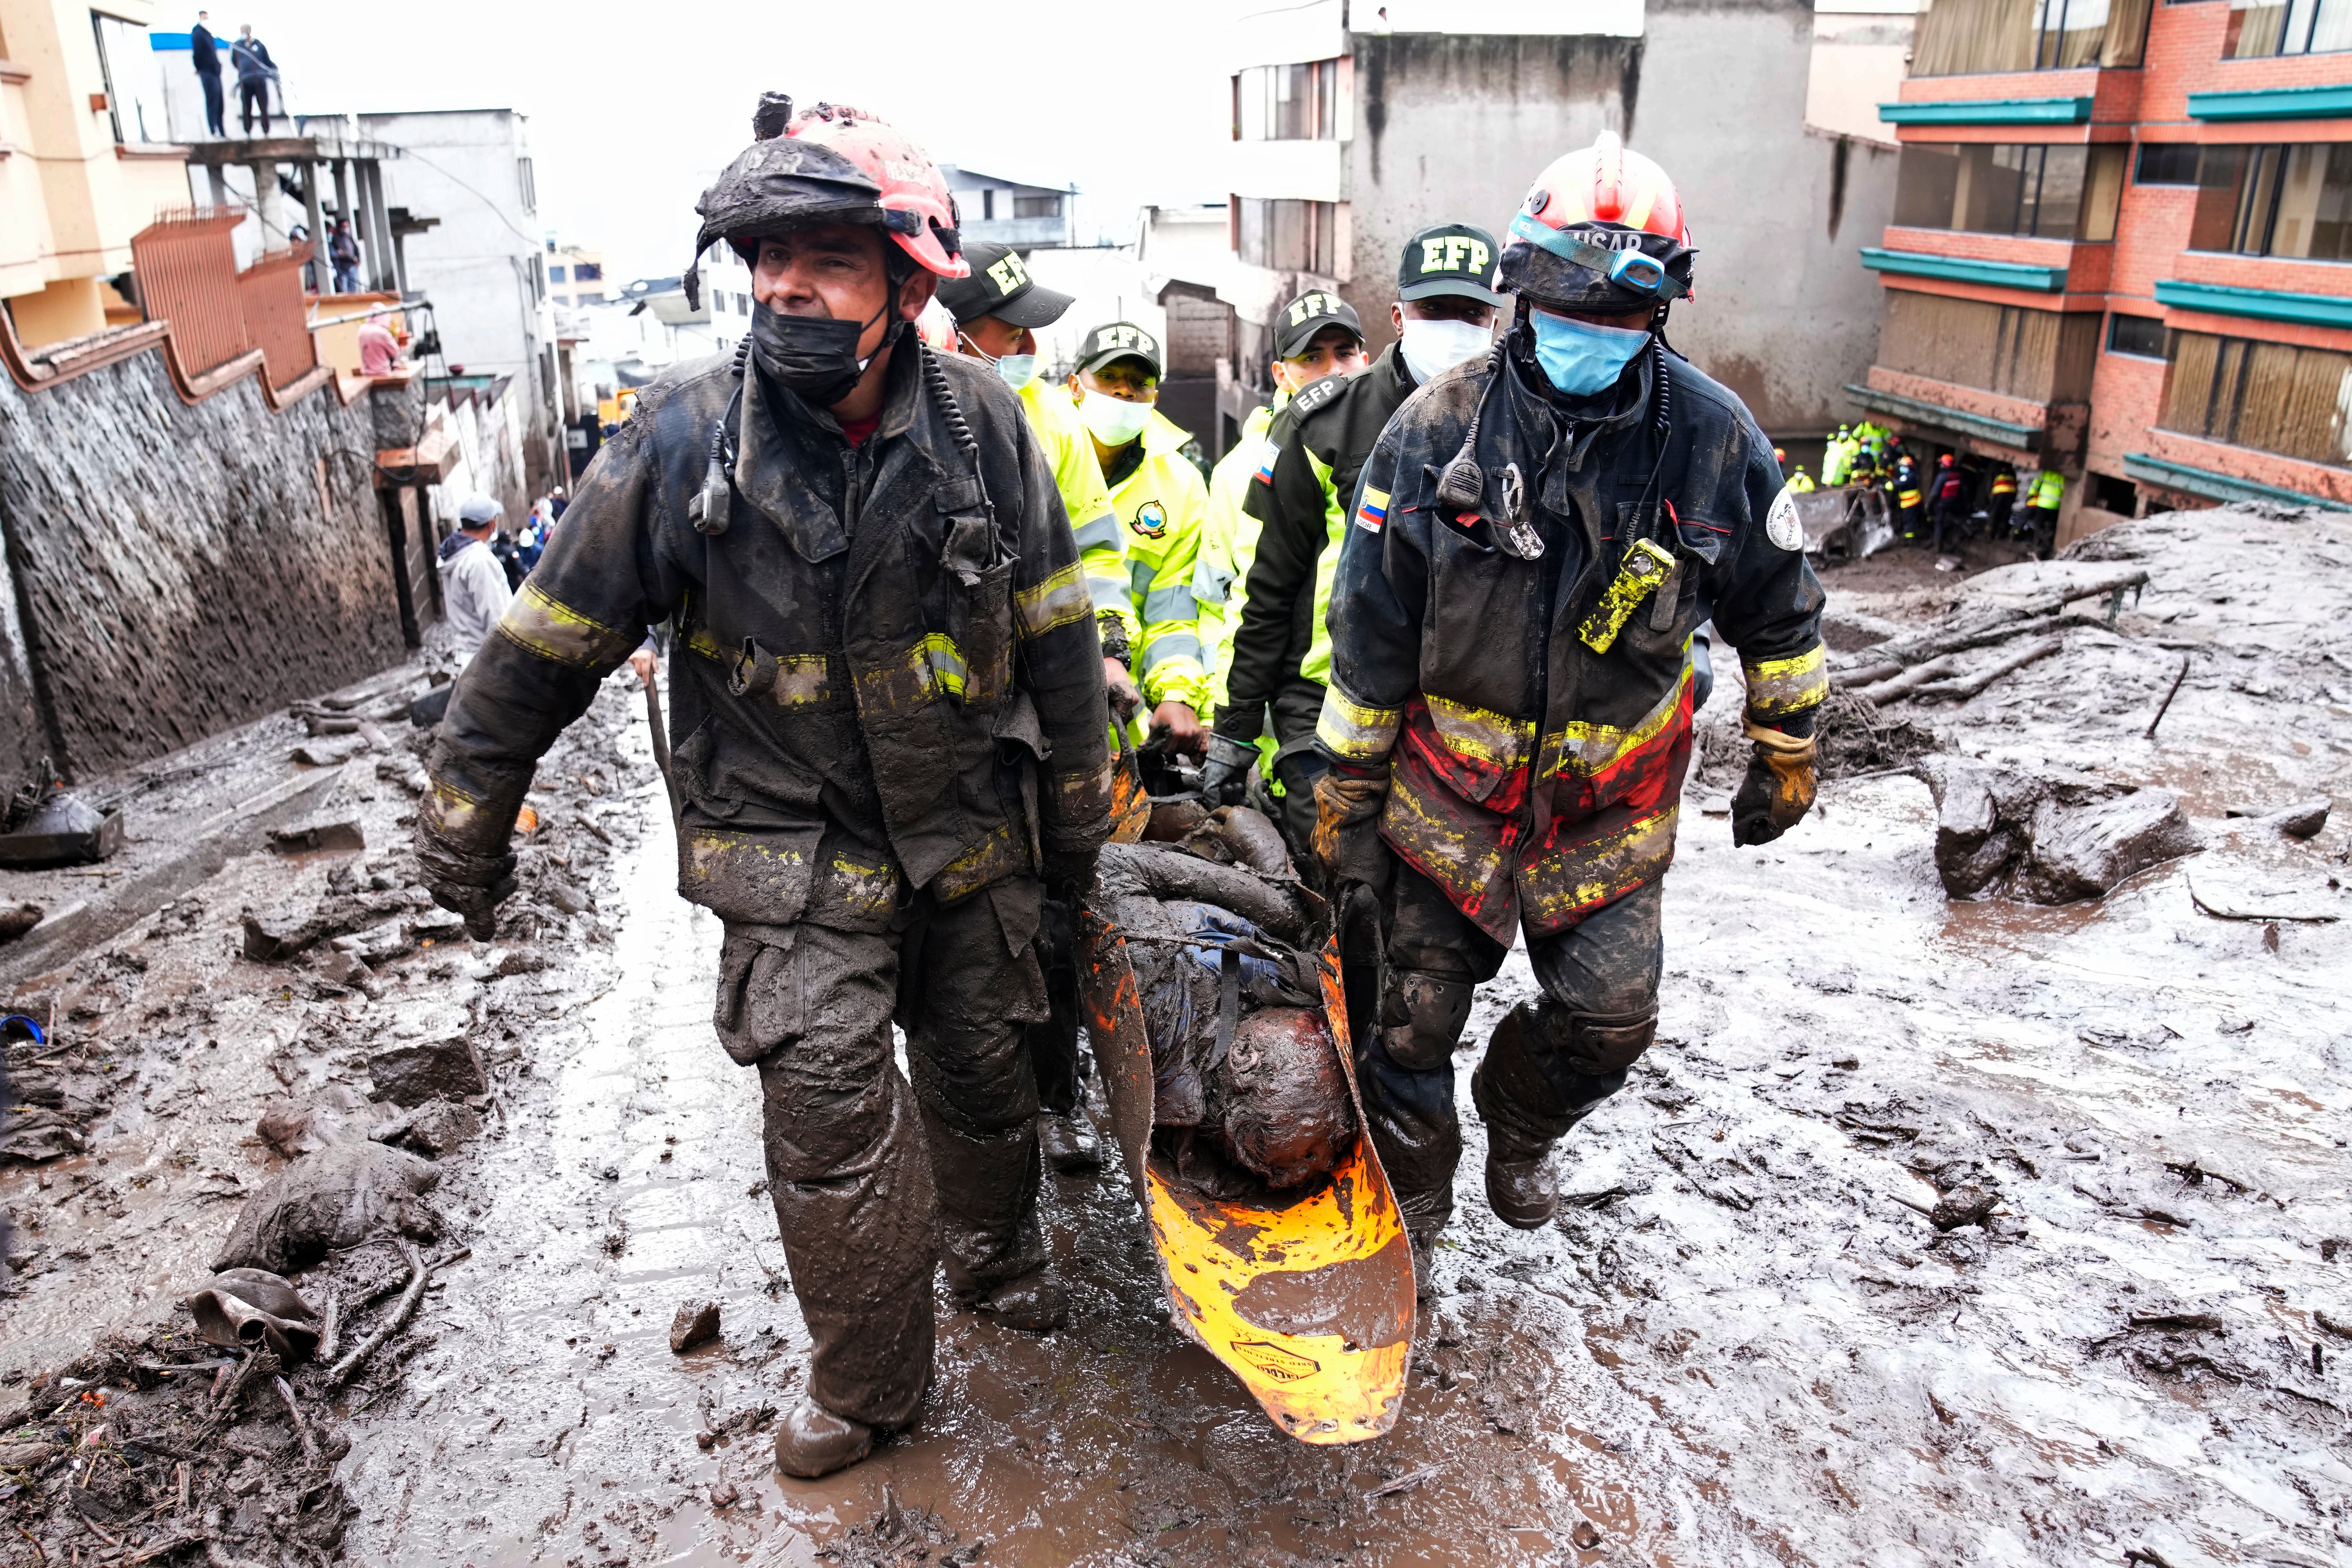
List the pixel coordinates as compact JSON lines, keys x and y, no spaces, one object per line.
{"x":1229,"y":1003}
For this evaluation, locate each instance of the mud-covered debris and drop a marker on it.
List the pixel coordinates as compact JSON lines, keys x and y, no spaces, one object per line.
{"x":343,"y":967}
{"x":433,"y":1127}
{"x":318,"y":833}
{"x":437,"y":925}
{"x":1585,"y":1536}
{"x":1238,"y":836}
{"x":325,"y":1202}
{"x":2046,"y":838}
{"x":251,"y":1310}
{"x":2304,"y":819}
{"x":327,"y":750}
{"x":294,"y":1128}
{"x":378,"y":946}
{"x":697,"y":1324}
{"x":1855,"y":737}
{"x":1967,"y":1203}
{"x":410,"y":1075}
{"x":16,"y":920}
{"x":751,"y":1419}
{"x":281,"y":932}
{"x":898,"y":1536}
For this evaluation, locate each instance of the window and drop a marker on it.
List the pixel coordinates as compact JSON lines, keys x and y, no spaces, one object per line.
{"x":988,"y":207}
{"x":554,"y":272}
{"x":2044,"y":192}
{"x":2259,"y":28}
{"x":133,"y":80}
{"x":2041,"y":356}
{"x":2167,"y":164}
{"x":2294,"y":200}
{"x":1957,"y":37}
{"x":588,"y":272}
{"x":526,"y":184}
{"x":1288,"y":235}
{"x":1287,"y":103}
{"x":1036,"y":206}
{"x":2275,"y":397}
{"x":2141,"y":335}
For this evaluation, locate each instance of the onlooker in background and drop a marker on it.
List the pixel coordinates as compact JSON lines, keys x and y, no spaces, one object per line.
{"x":474,"y":584}
{"x":204,"y":50}
{"x":379,"y":350}
{"x":343,"y":250}
{"x":561,"y":502}
{"x":255,"y":70}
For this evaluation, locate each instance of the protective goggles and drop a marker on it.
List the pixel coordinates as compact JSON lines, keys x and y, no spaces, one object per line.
{"x":1634,"y":270}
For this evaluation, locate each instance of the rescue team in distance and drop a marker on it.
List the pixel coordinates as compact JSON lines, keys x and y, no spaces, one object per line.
{"x":1441,"y":603}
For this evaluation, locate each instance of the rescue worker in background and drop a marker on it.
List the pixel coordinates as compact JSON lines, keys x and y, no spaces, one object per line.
{"x":997,"y":310}
{"x":1947,"y":501}
{"x":1800,"y":481}
{"x":2004,"y":497}
{"x":1509,"y":717}
{"x":1908,"y":510}
{"x":1229,"y":537}
{"x":2042,"y":498}
{"x":888,"y":707}
{"x":1443,"y":315}
{"x":1837,"y":458}
{"x":1158,"y":500}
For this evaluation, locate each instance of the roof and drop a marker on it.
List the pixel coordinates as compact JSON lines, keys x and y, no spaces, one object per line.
{"x":952,"y":170}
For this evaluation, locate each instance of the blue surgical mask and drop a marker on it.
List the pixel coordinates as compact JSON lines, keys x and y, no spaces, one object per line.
{"x":1581,"y":358}
{"x":1018,"y":370}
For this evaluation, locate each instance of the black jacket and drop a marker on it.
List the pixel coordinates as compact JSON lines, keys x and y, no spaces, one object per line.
{"x":878,"y":691}
{"x":1321,"y":441}
{"x":206,"y":52}
{"x":251,"y":57}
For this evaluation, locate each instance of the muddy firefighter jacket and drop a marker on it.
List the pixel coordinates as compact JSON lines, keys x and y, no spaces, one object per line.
{"x":1071,"y":456}
{"x":866,"y":665}
{"x":1315,"y":451}
{"x":1532,"y":778}
{"x":1160,"y":503}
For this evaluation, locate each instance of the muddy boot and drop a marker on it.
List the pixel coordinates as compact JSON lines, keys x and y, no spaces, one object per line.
{"x":811,"y":1441}
{"x":988,"y":1235}
{"x":1034,"y":1303}
{"x":1522,"y":1186}
{"x":1067,"y":1144}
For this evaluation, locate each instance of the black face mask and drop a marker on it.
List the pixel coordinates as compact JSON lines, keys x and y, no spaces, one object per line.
{"x":816,"y":356}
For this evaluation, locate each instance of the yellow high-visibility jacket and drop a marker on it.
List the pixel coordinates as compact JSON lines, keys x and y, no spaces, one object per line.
{"x":1070,"y":454}
{"x":1160,"y":503}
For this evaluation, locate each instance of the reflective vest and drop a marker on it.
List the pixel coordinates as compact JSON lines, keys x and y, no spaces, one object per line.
{"x":1837,"y":460}
{"x":1228,"y":545}
{"x":1161,"y":508}
{"x":2004,"y":483}
{"x":2048,"y":486}
{"x":1070,"y":453}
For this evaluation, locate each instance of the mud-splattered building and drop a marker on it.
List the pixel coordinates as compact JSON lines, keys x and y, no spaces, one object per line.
{"x":2118,"y":249}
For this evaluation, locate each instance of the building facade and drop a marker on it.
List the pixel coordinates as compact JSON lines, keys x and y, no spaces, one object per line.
{"x":2119,"y":249}
{"x":1000,"y":211}
{"x":82,"y":163}
{"x":575,"y":277}
{"x":1354,"y":125}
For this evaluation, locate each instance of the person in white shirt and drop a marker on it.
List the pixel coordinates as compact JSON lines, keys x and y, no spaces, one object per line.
{"x":473,"y":580}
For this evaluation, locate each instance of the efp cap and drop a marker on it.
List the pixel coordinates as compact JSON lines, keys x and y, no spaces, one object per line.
{"x":1121,"y":340}
{"x":1452,"y":258}
{"x":999,"y":285}
{"x":1308,"y":314}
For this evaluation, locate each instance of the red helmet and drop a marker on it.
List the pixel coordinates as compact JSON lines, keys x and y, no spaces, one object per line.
{"x":830,"y":164}
{"x":1945,"y":461}
{"x":1601,"y":227}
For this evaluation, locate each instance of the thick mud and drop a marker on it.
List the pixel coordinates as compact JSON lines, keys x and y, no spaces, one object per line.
{"x":1747,"y":1339}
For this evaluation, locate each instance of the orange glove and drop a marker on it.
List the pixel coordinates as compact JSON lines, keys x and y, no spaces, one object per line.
{"x":1779,"y":789}
{"x":1347,"y":842}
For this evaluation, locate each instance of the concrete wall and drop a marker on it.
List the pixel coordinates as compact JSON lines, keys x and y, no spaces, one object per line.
{"x":1455,"y":127}
{"x":181,"y":570}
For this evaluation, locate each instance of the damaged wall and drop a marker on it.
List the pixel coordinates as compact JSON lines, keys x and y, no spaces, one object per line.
{"x":183,"y":569}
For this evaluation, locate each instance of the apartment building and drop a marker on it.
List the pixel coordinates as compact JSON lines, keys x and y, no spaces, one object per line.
{"x":575,"y":277}
{"x":82,"y":163}
{"x":1001,"y":211}
{"x":2119,"y":249}
{"x":1354,"y":124}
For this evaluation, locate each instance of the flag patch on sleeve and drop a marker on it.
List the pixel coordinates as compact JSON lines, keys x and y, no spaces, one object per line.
{"x":1374,"y":511}
{"x":1266,"y":464}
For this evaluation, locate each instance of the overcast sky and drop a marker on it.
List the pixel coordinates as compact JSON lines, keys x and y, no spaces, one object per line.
{"x":635,"y":108}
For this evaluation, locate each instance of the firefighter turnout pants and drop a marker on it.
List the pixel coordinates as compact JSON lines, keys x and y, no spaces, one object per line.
{"x":875,"y":1183}
{"x":1549,"y":1063}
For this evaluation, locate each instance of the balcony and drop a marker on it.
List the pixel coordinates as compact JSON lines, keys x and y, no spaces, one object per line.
{"x":1991,"y":112}
{"x":2329,"y":102}
{"x":2255,"y":304}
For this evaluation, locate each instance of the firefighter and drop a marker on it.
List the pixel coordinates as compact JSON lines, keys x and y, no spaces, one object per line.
{"x":1908,"y":511}
{"x":2042,"y":498}
{"x":1947,"y":501}
{"x":1443,"y":315}
{"x":2004,"y":497}
{"x":997,"y":311}
{"x":889,"y":706}
{"x":1158,"y":499}
{"x":1509,"y":716}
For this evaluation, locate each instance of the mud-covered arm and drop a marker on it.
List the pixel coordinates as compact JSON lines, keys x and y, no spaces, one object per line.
{"x":1378,"y":595}
{"x":1768,"y":603}
{"x":1060,"y":663}
{"x":1289,"y":507}
{"x":578,"y":614}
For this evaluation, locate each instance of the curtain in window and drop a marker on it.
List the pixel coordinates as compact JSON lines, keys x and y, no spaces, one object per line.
{"x":2127,"y":32}
{"x":1960,"y":36}
{"x":2189,"y":388}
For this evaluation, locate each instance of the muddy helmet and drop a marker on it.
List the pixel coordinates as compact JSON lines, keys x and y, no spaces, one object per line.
{"x":831,"y":163}
{"x":1602,"y":229}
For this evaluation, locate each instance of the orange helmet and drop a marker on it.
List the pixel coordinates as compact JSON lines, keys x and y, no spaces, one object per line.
{"x":1601,"y":227}
{"x":829,"y":164}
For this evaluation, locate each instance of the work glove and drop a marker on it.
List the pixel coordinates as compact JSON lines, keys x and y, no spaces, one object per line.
{"x":1347,"y":842}
{"x":463,"y":883}
{"x":1779,"y":788}
{"x":1224,"y":777}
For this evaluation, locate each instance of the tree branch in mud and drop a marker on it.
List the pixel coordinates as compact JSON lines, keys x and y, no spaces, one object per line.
{"x":1872,"y":666}
{"x":418,"y":1271}
{"x":1962,"y":688}
{"x":252,"y":1367}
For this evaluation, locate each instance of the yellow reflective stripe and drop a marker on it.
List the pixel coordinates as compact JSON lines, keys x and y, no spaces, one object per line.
{"x":844,"y":884}
{"x":1059,"y":601}
{"x":1481,"y":735}
{"x":998,"y":854}
{"x":461,"y":817}
{"x":539,"y":623}
{"x":699,"y":641}
{"x":947,"y":668}
{"x":1778,"y":686}
{"x":1354,"y":733}
{"x":928,"y":668}
{"x":1560,"y":890}
{"x":1082,"y":797}
{"x":804,"y":680}
{"x":1585,"y":749}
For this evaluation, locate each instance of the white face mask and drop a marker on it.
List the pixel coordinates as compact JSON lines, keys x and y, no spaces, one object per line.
{"x":1432,"y":348}
{"x":1018,"y":370}
{"x":1112,"y":422}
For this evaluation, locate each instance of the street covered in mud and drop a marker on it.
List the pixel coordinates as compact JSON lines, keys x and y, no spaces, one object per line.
{"x":2004,"y":1228}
